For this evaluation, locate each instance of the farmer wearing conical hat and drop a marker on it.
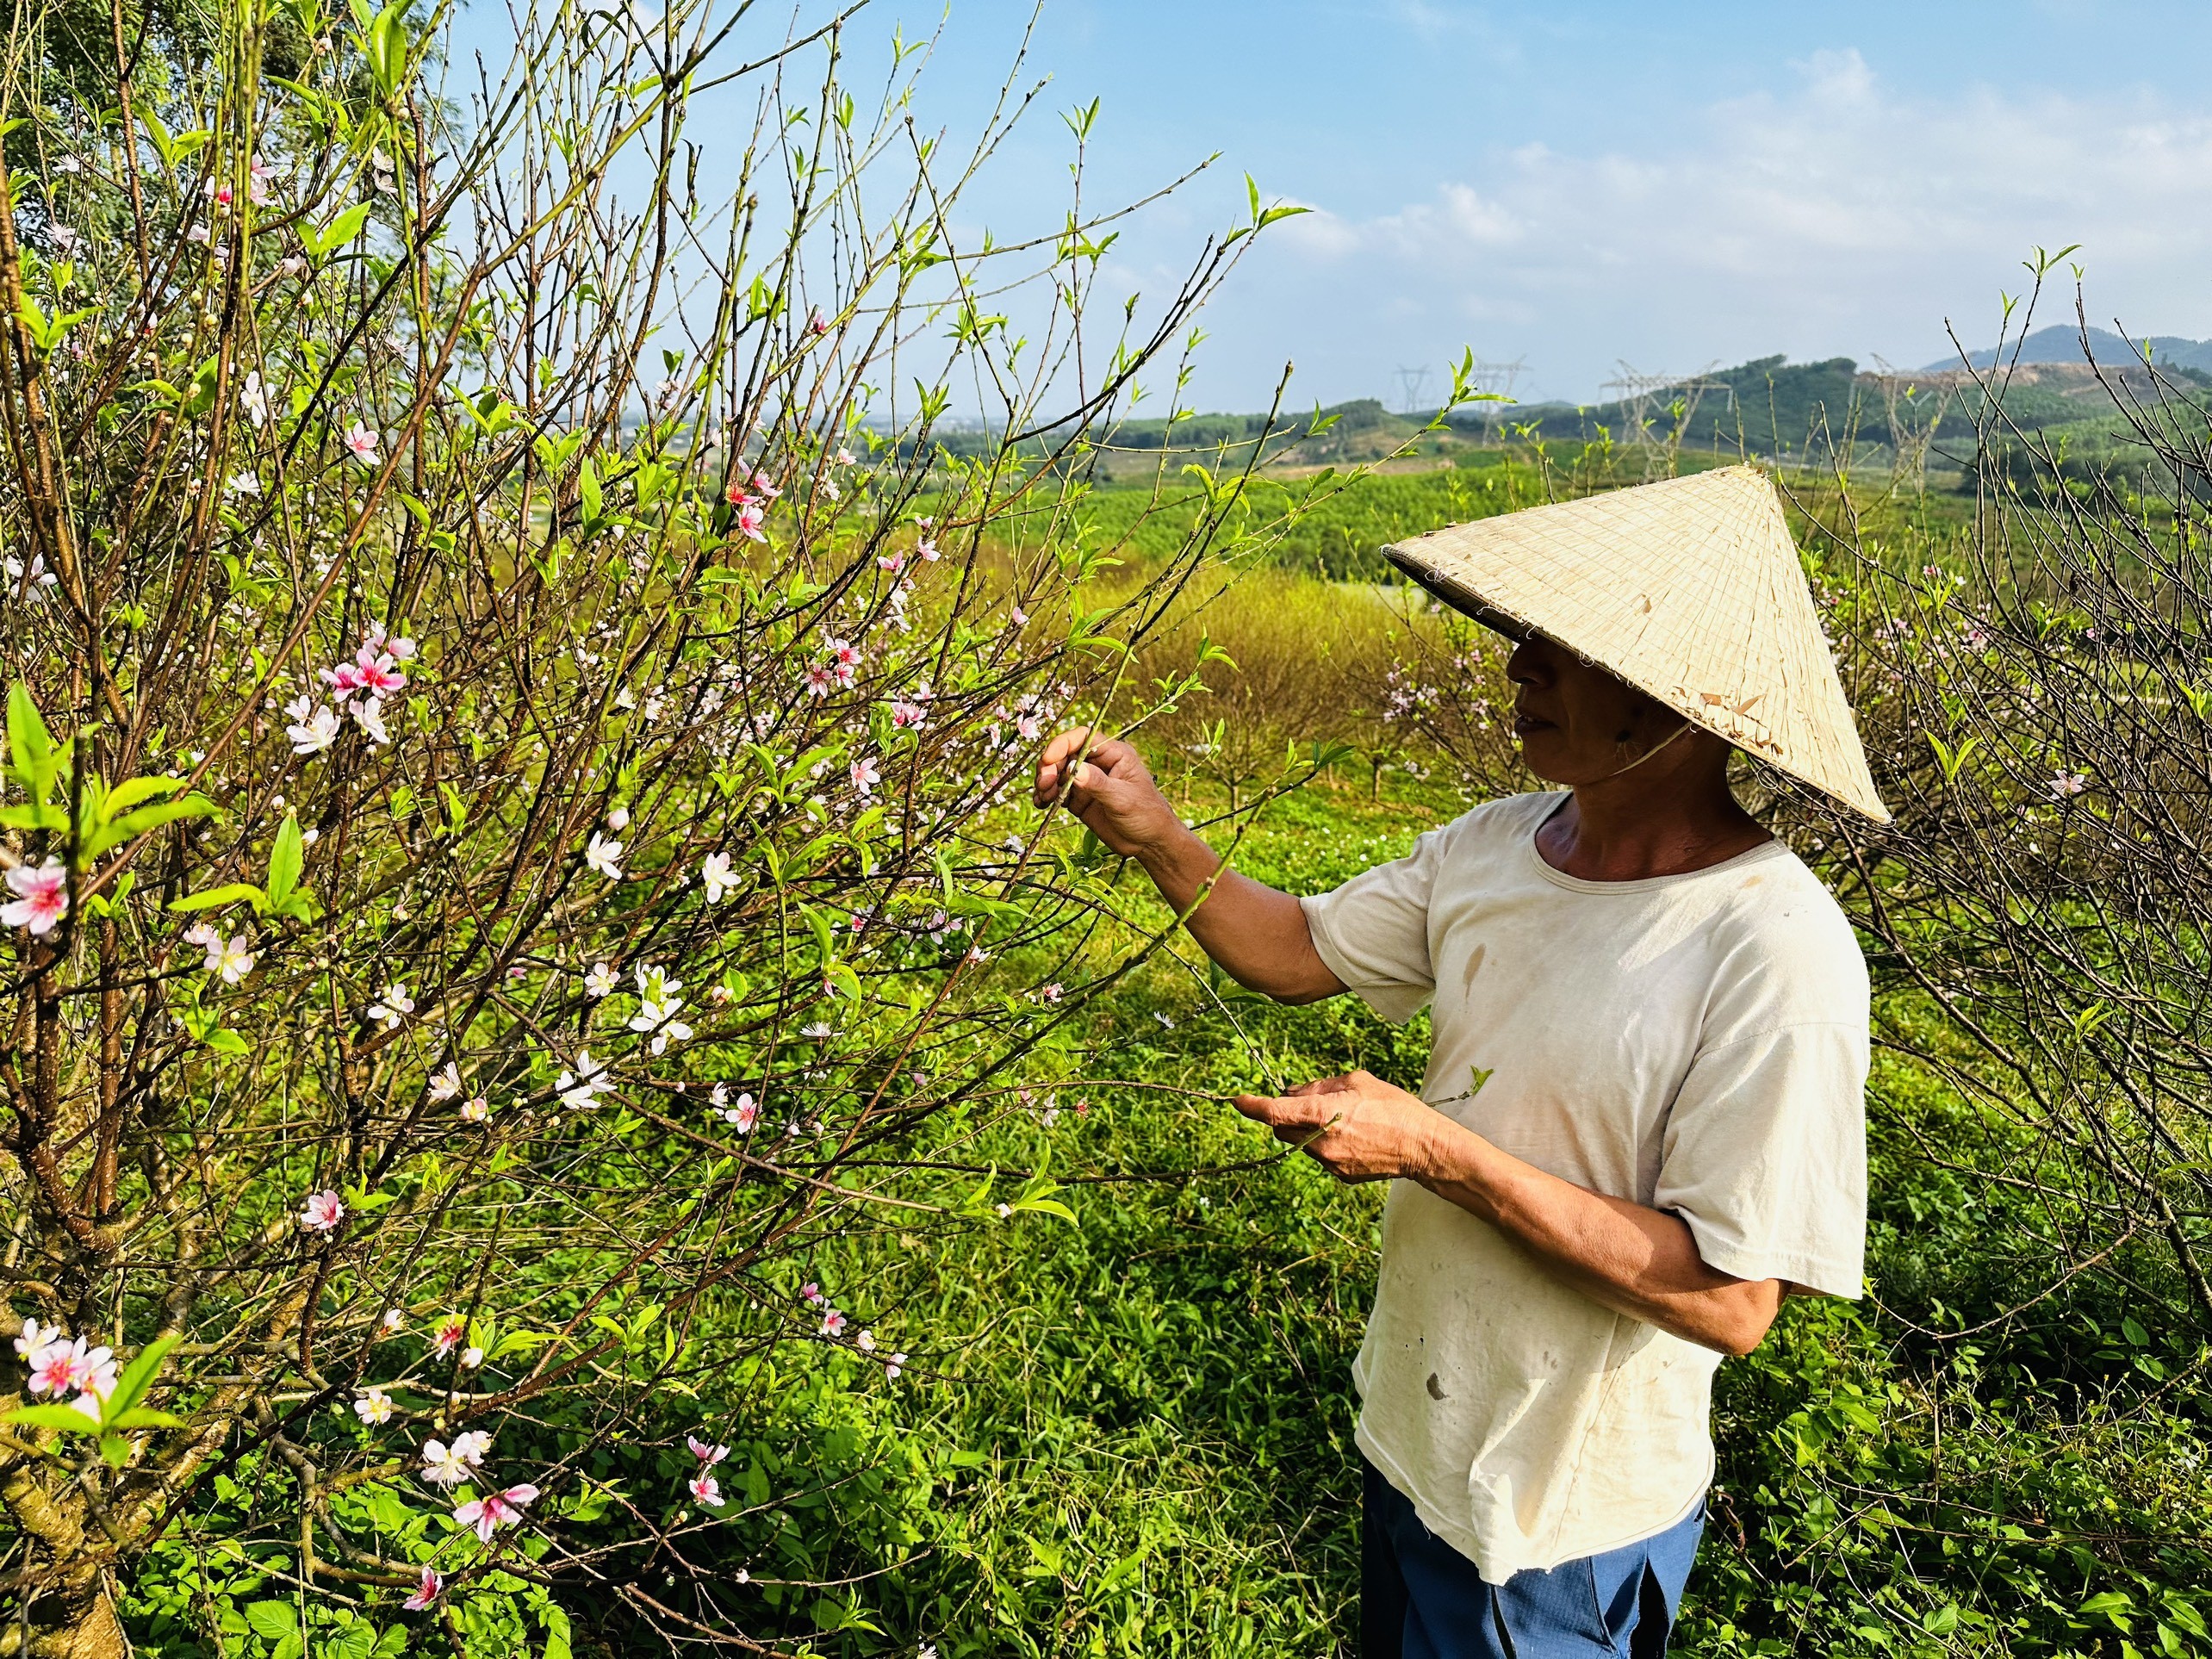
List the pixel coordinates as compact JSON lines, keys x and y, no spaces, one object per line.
{"x":1641,"y":1124}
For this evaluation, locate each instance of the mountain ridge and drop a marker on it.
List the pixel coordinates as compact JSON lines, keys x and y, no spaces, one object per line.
{"x":2061,"y":343}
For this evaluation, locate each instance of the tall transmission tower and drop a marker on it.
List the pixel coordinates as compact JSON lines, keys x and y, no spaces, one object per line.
{"x":1638,"y":393}
{"x":1500,"y":377}
{"x":1914,"y":406}
{"x":1412,"y":382}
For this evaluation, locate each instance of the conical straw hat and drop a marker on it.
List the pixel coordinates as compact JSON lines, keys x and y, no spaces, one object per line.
{"x":1689,"y":589}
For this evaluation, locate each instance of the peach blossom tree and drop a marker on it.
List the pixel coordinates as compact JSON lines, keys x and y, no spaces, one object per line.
{"x":514,"y":692}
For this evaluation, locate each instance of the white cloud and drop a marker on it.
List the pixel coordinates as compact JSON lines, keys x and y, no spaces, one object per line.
{"x":1833,"y":217}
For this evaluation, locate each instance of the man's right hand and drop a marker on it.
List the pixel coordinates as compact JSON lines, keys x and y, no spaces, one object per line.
{"x":1113,"y":795}
{"x":1255,"y":933}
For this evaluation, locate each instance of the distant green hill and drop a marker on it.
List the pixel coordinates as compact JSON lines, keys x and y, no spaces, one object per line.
{"x":1769,"y":408}
{"x":2062,"y":343}
{"x":1362,"y":424}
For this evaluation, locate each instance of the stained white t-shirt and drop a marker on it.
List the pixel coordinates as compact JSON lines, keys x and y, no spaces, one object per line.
{"x":1696,"y":1043}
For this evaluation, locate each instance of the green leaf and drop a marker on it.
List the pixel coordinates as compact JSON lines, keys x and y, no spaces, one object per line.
{"x":137,"y":1377}
{"x":2112,"y":1606}
{"x":35,"y":323}
{"x":200,"y":395}
{"x":66,"y":1418}
{"x":286,"y":860}
{"x":173,"y":149}
{"x":163,"y":145}
{"x":198,"y":1020}
{"x":31,"y":758}
{"x":556,"y":1633}
{"x":272,"y":1621}
{"x":111,"y":903}
{"x":359,"y":1641}
{"x":587,"y":484}
{"x":215,"y":897}
{"x":131,"y":825}
{"x":132,"y":790}
{"x":227,"y":1041}
{"x":386,"y":47}
{"x":34,"y":818}
{"x":1120,"y":1573}
{"x":339,"y":231}
{"x":144,"y":1417}
{"x":137,"y":821}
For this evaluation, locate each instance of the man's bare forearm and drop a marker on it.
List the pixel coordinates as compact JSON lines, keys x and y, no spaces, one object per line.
{"x":1258,"y":935}
{"x":1636,"y":1260}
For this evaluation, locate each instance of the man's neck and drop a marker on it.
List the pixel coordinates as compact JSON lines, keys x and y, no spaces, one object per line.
{"x":1627,"y":829}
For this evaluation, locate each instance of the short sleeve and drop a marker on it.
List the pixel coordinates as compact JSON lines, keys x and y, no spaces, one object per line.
{"x":1765,"y":1156}
{"x":1373,"y":932}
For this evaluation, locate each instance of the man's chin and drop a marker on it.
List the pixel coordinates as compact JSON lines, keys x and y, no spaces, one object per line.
{"x":1538,"y":756}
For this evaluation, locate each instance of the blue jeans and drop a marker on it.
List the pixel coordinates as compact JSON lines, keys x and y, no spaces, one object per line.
{"x":1420,"y":1599}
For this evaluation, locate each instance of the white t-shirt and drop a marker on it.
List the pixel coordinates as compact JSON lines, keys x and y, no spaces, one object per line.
{"x":1696,"y":1043}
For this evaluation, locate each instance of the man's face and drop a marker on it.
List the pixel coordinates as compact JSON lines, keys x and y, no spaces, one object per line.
{"x":1577,"y":723}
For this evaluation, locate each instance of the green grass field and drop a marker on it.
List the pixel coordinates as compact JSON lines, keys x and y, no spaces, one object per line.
{"x":1335,"y":524}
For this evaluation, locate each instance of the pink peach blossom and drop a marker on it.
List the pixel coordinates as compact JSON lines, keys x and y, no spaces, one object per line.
{"x":495,"y":1510}
{"x":54,"y":1371}
{"x":44,"y":898}
{"x":321,"y":1213}
{"x":376,"y":672}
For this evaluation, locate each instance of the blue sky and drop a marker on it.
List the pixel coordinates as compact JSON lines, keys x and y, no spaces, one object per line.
{"x":1583,"y":184}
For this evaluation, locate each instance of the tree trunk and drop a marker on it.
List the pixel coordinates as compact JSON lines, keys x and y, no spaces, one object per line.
{"x":73,"y":1621}
{"x":72,"y":1616}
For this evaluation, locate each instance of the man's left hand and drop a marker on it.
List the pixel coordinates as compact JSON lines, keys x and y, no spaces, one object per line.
{"x":1357,"y":1127}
